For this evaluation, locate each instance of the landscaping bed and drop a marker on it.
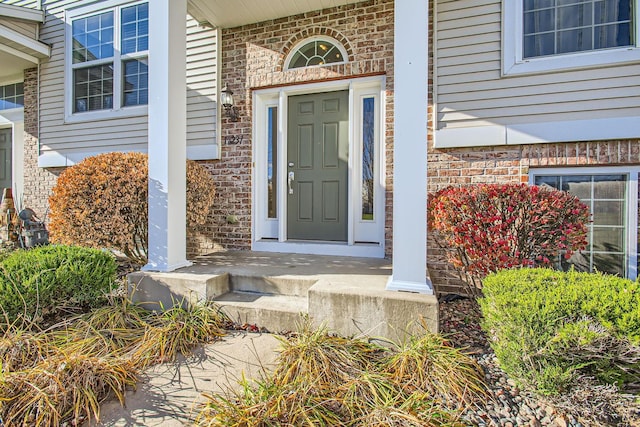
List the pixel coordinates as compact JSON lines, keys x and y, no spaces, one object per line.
{"x":510,"y":406}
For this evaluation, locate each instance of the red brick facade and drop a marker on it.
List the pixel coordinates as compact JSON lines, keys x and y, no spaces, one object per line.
{"x":253,"y":57}
{"x":38,"y":182}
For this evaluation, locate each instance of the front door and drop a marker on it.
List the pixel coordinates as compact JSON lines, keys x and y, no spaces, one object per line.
{"x":5,"y":158}
{"x":317,"y":166}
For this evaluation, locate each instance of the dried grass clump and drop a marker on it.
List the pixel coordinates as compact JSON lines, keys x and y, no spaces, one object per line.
{"x":61,"y":375}
{"x":323,"y":379}
{"x":315,"y":357}
{"x":65,"y":387}
{"x":429,"y":365}
{"x":178,"y":330}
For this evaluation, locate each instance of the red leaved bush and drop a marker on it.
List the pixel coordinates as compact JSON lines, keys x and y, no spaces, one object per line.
{"x":485,"y":228}
{"x":101,"y":202}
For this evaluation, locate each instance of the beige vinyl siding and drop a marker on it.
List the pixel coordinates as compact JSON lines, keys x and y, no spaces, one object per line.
{"x":127,"y":133}
{"x":27,"y":29}
{"x":471,"y":92}
{"x":202,"y":59}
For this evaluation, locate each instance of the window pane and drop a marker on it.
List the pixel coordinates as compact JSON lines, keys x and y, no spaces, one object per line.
{"x":368,"y":157}
{"x":577,"y":15}
{"x":606,"y":197}
{"x":539,"y":45}
{"x":11,"y":96}
{"x":135,"y":82}
{"x":92,"y":38}
{"x":579,"y":186}
{"x":135,"y":28}
{"x":611,"y":11}
{"x":93,"y":88}
{"x":272,"y":162}
{"x":317,"y":52}
{"x":574,"y":40}
{"x":539,"y":21}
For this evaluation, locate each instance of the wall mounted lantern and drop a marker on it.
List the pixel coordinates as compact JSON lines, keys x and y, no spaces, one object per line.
{"x":226,"y":99}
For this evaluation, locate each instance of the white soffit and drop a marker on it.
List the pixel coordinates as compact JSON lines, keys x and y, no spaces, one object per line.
{"x":233,"y":13}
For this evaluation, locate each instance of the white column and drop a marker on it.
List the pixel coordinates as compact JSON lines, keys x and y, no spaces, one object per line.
{"x":167,"y":135}
{"x":410,"y":148}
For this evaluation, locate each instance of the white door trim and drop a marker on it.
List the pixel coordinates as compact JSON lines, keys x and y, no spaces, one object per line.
{"x":271,"y":234}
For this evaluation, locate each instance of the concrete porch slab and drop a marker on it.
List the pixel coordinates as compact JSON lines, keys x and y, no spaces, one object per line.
{"x":272,"y":290}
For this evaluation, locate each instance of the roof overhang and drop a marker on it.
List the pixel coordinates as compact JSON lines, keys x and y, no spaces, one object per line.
{"x":19,"y":52}
{"x":22,"y":13}
{"x":233,"y":13}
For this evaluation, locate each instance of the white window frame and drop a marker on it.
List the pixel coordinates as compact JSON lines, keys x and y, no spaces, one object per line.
{"x":513,"y":62}
{"x":336,"y":43}
{"x":365,"y":238}
{"x":117,"y":109}
{"x":631,"y":223}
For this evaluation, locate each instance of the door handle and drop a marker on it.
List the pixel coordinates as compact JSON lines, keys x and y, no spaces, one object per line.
{"x":290,"y":178}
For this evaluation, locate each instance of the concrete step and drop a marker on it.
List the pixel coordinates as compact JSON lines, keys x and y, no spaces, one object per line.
{"x":274,"y":312}
{"x":276,"y":285}
{"x":156,"y":290}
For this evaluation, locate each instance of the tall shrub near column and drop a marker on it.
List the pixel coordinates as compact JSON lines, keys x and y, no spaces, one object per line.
{"x":102,"y":202}
{"x":488,"y":227}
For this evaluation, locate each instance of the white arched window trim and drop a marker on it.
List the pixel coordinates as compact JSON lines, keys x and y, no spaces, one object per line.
{"x":300,"y":44}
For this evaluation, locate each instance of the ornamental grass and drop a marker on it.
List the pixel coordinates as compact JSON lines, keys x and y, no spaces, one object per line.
{"x":326,"y":380}
{"x":63,"y":374}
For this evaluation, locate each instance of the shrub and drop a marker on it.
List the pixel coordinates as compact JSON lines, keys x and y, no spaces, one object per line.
{"x":548,"y":328}
{"x":102,"y":202}
{"x":46,"y":279}
{"x":485,"y":228}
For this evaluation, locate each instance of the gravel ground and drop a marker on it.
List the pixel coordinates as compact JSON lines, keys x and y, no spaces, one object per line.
{"x":508,"y":406}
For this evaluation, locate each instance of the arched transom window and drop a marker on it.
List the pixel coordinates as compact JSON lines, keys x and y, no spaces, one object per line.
{"x":316,"y":51}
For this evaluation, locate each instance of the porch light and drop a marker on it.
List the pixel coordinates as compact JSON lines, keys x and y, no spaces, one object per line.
{"x":226,"y":99}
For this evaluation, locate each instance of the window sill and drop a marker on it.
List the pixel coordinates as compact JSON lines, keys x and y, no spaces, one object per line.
{"x":93,"y":116}
{"x":593,"y":59}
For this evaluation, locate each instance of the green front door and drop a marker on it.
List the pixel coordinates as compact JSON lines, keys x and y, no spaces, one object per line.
{"x":5,"y":159}
{"x":317,"y":166}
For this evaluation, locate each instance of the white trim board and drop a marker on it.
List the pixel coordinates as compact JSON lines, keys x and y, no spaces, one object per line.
{"x":539,"y":133}
{"x":22,"y":13}
{"x":54,"y":159}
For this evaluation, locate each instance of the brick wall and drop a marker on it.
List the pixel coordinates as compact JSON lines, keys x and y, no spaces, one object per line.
{"x":253,"y":57}
{"x":38,"y":182}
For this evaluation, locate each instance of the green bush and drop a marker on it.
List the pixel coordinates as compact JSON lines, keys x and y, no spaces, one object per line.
{"x":43,"y":280}
{"x":548,"y":327}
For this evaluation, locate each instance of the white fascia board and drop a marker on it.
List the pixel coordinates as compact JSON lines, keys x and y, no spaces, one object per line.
{"x":14,"y":115}
{"x":539,"y":133}
{"x":477,"y":136}
{"x":55,"y":159}
{"x":574,"y":130}
{"x":203,"y":152}
{"x":22,"y":13}
{"x":26,"y":44}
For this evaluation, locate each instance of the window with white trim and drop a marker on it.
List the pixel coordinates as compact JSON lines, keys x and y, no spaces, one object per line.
{"x":612,"y":197}
{"x":546,"y":35}
{"x":316,"y":51}
{"x":12,"y":96}
{"x":109,"y":58}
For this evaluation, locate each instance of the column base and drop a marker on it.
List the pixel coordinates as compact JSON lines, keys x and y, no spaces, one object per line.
{"x":406,"y":286}
{"x":165,"y":268}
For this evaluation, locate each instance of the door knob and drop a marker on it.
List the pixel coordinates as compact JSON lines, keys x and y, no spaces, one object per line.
{"x":290,"y":178}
